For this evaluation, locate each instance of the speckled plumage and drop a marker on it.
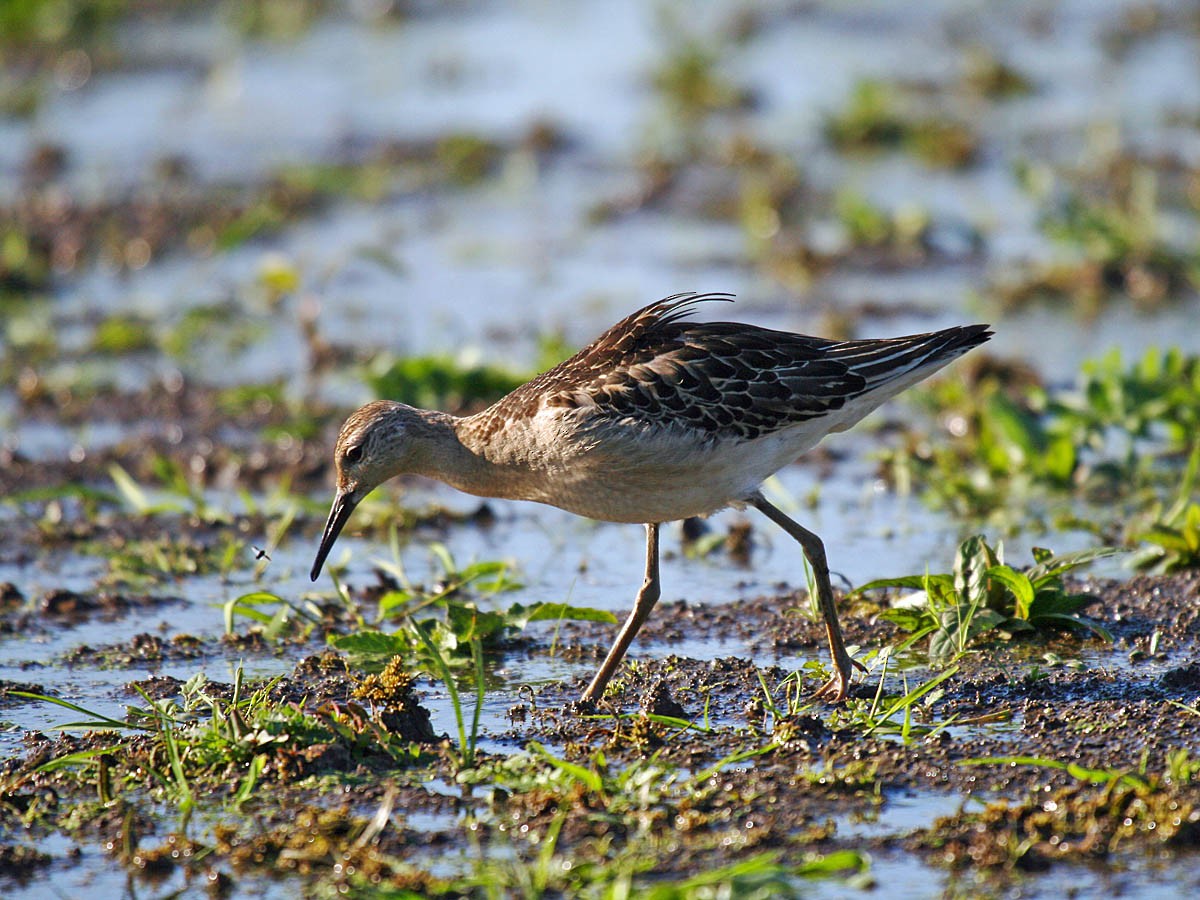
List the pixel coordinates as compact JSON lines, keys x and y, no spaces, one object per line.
{"x":722,"y":380}
{"x":658,"y":419}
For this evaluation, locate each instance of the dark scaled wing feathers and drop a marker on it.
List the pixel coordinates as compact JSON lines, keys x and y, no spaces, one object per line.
{"x":724,"y":379}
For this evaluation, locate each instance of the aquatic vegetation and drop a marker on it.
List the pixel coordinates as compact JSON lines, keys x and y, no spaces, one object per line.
{"x":651,"y":803}
{"x":1115,"y":242}
{"x":154,"y":560}
{"x":1117,"y":436}
{"x":991,"y":76}
{"x":31,"y":24}
{"x":123,"y":334}
{"x":438,"y":382}
{"x":878,"y":117}
{"x":182,"y":494}
{"x":690,"y":81}
{"x":1172,"y":539}
{"x":904,"y":231}
{"x":200,"y":747}
{"x":466,"y":158}
{"x":986,"y":597}
{"x":1106,"y":811}
{"x":452,"y":615}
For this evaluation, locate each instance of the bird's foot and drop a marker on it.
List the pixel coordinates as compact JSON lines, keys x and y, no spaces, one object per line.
{"x":837,"y":688}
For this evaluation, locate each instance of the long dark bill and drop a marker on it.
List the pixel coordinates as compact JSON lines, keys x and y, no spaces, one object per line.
{"x":343,"y":506}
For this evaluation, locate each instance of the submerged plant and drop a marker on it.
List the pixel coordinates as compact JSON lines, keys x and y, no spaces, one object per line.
{"x":984,"y":596}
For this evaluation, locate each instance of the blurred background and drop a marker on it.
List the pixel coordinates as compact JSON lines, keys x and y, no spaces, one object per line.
{"x":223,"y":224}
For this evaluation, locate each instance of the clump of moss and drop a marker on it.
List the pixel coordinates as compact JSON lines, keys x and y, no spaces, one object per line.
{"x":1076,"y":823}
{"x":391,"y":687}
{"x":401,"y":712}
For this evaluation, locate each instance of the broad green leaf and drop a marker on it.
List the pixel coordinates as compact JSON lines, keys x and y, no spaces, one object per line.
{"x":1079,"y":622}
{"x":915,"y":582}
{"x":551,"y":612}
{"x":1020,"y":586}
{"x":1059,"y":460}
{"x":394,"y":600}
{"x":973,"y":560}
{"x":369,"y":643}
{"x":1015,"y":427}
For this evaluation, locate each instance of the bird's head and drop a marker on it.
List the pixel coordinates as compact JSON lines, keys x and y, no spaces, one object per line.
{"x":375,"y":444}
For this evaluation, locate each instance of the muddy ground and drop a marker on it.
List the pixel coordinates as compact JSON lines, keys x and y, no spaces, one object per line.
{"x":787,"y":777}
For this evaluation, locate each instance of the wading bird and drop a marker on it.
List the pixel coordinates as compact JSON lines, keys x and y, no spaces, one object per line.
{"x":660,"y":418}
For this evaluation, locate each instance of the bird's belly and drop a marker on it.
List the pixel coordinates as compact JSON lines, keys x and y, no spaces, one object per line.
{"x":664,"y":501}
{"x":659,"y":487}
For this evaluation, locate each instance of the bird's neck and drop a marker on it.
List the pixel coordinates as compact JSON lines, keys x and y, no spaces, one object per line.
{"x":461,"y":453}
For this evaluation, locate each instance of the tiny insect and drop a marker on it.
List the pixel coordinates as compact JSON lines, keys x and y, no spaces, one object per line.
{"x":260,"y":553}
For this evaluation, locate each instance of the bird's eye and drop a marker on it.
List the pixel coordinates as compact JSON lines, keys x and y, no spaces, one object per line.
{"x":354,"y":454}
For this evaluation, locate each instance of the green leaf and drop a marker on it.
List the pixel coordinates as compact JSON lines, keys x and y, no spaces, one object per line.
{"x":974,"y":558}
{"x":1018,"y":583}
{"x":1015,"y":427}
{"x":1057,"y":565}
{"x":834,"y":863}
{"x":369,"y":643}
{"x":1078,"y":622}
{"x":915,"y":582}
{"x":467,"y":622}
{"x":1093,"y":776}
{"x":1059,"y":460}
{"x":393,"y":600}
{"x":587,"y":777}
{"x":906,"y":619}
{"x":1165,"y":537}
{"x":1056,"y":602}
{"x":552,"y":612}
{"x":82,"y":757}
{"x":98,"y":720}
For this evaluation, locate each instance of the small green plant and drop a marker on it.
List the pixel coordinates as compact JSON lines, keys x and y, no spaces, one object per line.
{"x":984,"y":596}
{"x":121,"y":334}
{"x":1117,"y":435}
{"x":1174,"y":542}
{"x":181,"y":494}
{"x":868,"y":225}
{"x":1172,"y":535}
{"x":1082,"y":773}
{"x":1114,"y":243}
{"x":690,"y":81}
{"x":211,"y":739}
{"x":879,"y":117}
{"x":439,"y":382}
{"x":447,"y":615}
{"x":277,"y":616}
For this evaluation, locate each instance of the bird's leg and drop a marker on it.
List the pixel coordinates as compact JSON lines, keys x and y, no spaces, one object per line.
{"x":645,"y":601}
{"x":838,"y":685}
